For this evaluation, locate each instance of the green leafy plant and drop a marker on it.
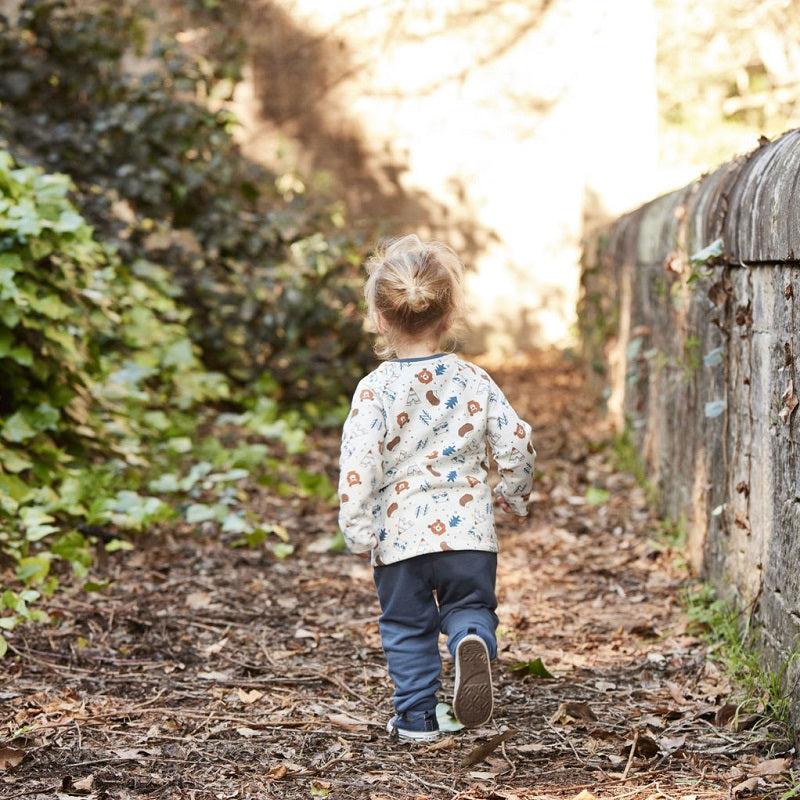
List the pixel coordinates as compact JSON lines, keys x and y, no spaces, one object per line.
{"x":260,"y":259}
{"x":759,"y":690}
{"x":153,"y":284}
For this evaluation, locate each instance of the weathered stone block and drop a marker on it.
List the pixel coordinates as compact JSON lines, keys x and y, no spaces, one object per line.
{"x":701,"y":358}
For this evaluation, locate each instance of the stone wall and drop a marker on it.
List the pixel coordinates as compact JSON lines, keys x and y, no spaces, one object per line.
{"x":691,"y":316}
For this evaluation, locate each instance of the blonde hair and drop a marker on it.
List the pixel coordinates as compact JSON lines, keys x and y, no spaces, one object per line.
{"x":416,"y":286}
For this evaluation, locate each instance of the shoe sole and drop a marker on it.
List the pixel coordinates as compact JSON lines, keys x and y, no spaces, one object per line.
{"x":473,"y":701}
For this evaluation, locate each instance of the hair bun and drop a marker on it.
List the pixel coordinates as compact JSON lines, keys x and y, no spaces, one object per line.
{"x":418,"y":299}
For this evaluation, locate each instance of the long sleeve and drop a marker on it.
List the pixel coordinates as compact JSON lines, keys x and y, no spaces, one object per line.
{"x":510,"y":441}
{"x":361,"y":469}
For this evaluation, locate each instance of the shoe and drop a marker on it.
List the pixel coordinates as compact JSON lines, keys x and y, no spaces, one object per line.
{"x":472,"y":696}
{"x":415,"y":726}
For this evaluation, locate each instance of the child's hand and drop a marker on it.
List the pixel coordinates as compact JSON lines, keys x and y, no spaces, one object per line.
{"x":503,"y":503}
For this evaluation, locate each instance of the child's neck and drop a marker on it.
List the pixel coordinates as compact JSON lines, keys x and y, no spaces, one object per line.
{"x":416,"y":352}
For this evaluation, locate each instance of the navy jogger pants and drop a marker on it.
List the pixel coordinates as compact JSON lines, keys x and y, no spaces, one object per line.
{"x":452,"y":592}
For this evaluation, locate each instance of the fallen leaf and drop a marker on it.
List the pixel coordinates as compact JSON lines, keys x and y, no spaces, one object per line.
{"x":10,"y":757}
{"x":249,"y":697}
{"x":675,"y":692}
{"x":278,"y":773}
{"x":572,"y":712}
{"x":670,"y":744}
{"x":347,"y":723}
{"x":774,"y":766}
{"x":790,"y":402}
{"x":248,"y":733}
{"x":217,"y":647}
{"x":533,"y":748}
{"x":482,"y":776}
{"x":645,"y":747}
{"x":745,"y":788}
{"x":303,"y":633}
{"x":535,"y":668}
{"x":484,"y":750}
{"x":135,"y":753}
{"x":214,"y":676}
{"x":446,"y":718}
{"x":585,"y":795}
{"x":198,"y":600}
{"x":725,"y":714}
{"x":84,"y":784}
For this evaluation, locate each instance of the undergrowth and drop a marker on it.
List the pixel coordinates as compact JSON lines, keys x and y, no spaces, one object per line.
{"x":173,"y":318}
{"x":759,"y":691}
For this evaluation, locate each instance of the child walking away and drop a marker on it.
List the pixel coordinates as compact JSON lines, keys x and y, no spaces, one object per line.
{"x":414,"y":491}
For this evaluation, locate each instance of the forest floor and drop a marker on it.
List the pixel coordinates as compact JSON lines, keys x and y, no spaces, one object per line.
{"x":207,"y":671}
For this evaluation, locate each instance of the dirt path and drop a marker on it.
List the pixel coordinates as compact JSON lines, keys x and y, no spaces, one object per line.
{"x":210,"y":672}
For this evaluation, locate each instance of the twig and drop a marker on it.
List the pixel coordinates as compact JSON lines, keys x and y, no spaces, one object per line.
{"x":631,"y":754}
{"x":511,"y":764}
{"x":343,"y":686}
{"x":563,"y":739}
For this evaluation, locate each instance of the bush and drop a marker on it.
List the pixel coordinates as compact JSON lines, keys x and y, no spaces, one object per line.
{"x":264,"y":265}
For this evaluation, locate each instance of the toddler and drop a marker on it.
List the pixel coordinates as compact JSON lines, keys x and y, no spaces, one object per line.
{"x":413,"y":488}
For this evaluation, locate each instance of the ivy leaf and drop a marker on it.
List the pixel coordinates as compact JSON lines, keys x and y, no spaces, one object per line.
{"x":50,"y":306}
{"x":180,"y":355}
{"x":536,"y":668}
{"x":712,"y":251}
{"x":33,"y":569}
{"x":199,"y":512}
{"x":73,"y":548}
{"x":166,"y":483}
{"x":17,"y":428}
{"x":282,"y":550}
{"x":14,"y":460}
{"x":596,"y":497}
{"x":8,"y":288}
{"x":36,"y":523}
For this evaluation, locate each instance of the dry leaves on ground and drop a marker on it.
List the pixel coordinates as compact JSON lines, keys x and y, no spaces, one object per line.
{"x":208,"y":672}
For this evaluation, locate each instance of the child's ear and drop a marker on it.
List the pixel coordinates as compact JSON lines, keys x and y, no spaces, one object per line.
{"x":380,"y":322}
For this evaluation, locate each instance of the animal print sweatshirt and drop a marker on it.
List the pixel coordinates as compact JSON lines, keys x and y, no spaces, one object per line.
{"x":414,"y":466}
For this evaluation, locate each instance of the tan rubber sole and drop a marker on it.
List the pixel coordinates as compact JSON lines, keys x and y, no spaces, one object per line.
{"x":473,"y":700}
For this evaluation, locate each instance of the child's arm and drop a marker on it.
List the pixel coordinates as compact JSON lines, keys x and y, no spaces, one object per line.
{"x":512,"y":449}
{"x":361,"y":470}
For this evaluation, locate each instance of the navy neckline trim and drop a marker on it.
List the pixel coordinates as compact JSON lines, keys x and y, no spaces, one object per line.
{"x":419,"y":358}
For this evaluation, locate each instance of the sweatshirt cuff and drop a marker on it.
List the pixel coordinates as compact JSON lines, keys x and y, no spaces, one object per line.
{"x":360,"y":544}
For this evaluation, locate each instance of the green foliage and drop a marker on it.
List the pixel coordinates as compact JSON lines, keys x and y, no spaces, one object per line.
{"x":166,"y":287}
{"x":95,"y":364}
{"x":260,"y":259}
{"x":760,"y":690}
{"x":535,"y":668}
{"x":624,"y":457}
